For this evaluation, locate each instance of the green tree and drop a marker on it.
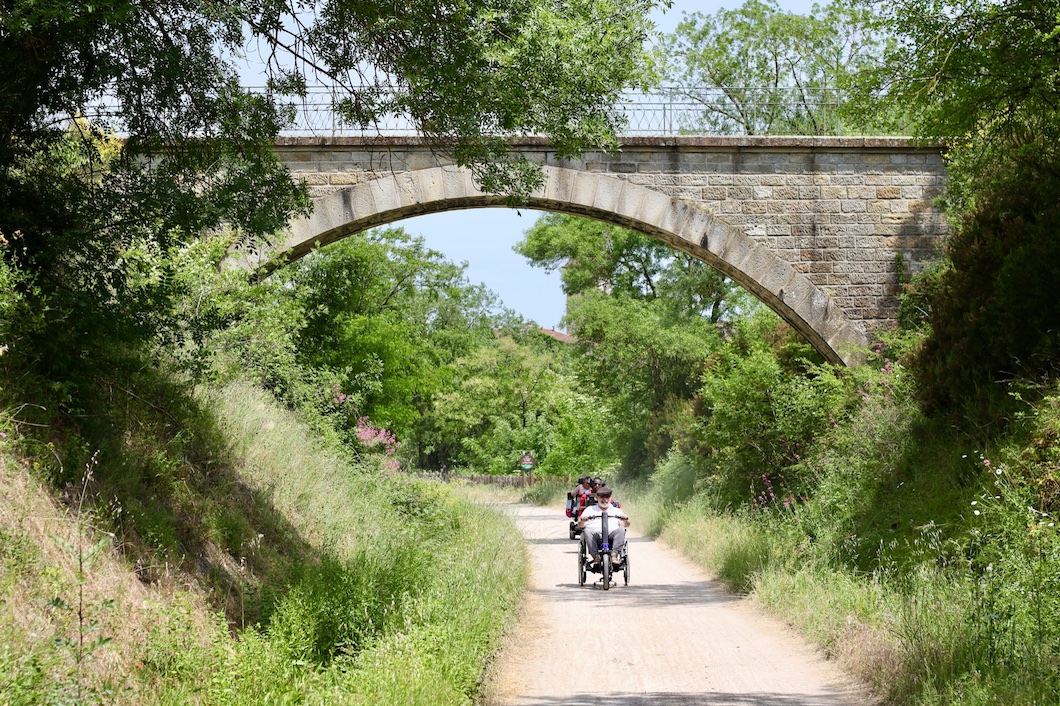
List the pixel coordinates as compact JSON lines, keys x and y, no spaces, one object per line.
{"x":596,"y":255}
{"x":759,"y":407}
{"x":506,"y":399}
{"x":646,"y":318}
{"x":758,"y":70}
{"x":91,"y":224}
{"x":981,"y":77}
{"x":640,"y":359}
{"x":391,"y":314}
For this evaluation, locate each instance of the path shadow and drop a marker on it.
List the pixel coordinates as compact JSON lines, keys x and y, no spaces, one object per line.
{"x":663,"y":698}
{"x":643,"y":595}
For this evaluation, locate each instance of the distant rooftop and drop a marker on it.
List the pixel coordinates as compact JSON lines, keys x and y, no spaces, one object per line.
{"x":558,"y":335}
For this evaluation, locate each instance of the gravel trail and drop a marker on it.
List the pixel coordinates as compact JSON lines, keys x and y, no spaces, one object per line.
{"x":670,"y":638}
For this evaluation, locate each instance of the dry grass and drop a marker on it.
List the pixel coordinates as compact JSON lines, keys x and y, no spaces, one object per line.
{"x":40,"y":542}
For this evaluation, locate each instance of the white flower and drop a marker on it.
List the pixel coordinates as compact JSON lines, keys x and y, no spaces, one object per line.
{"x":976,"y":512}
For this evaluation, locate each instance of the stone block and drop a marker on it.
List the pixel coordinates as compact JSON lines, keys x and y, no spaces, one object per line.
{"x":653,"y":207}
{"x":583,"y":192}
{"x":630,"y":200}
{"x":456,"y":183}
{"x":408,"y":190}
{"x":297,"y":157}
{"x":608,"y":193}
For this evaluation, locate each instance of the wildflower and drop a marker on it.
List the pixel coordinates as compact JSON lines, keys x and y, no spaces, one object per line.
{"x":986,"y":462}
{"x":975,"y":502}
{"x":976,"y":512}
{"x":3,"y":435}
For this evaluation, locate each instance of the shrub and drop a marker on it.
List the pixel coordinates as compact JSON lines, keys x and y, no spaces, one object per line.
{"x":995,"y":308}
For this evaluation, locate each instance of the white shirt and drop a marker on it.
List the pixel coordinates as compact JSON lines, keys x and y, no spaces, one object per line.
{"x":593,"y":513}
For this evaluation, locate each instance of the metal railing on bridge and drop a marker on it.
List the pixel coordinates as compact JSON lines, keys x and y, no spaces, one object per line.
{"x":664,"y":111}
{"x":660,"y":112}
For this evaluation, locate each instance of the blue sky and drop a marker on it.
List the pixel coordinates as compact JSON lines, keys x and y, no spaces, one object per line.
{"x":484,"y":237}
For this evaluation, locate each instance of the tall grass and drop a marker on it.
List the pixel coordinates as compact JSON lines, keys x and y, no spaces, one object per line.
{"x":361,"y":588}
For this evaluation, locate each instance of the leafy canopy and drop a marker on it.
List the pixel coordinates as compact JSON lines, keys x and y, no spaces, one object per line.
{"x":90,"y":222}
{"x":979,"y":72}
{"x":596,"y":255}
{"x":760,"y":70}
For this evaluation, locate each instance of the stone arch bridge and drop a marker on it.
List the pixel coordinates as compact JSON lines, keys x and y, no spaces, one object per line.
{"x":818,"y":228}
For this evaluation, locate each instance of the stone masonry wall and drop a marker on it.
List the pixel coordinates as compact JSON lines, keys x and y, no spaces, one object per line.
{"x":844,"y":211}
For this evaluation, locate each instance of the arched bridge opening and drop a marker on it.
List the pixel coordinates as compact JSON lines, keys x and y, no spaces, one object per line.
{"x":680,"y":223}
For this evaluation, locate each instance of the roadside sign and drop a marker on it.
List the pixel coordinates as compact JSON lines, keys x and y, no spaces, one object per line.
{"x":526,"y":462}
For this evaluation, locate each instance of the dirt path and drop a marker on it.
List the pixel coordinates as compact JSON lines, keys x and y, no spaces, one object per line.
{"x":670,"y":638}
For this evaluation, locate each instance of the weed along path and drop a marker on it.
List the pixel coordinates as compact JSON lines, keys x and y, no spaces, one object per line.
{"x":670,"y":638}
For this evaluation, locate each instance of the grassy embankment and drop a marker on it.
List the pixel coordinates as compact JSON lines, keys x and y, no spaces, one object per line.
{"x":925,"y":563}
{"x":244,"y":564}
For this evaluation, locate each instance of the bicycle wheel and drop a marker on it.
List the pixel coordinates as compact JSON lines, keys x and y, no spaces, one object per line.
{"x":605,"y":567}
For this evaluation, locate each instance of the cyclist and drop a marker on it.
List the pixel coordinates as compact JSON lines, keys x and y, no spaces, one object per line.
{"x":591,"y":523}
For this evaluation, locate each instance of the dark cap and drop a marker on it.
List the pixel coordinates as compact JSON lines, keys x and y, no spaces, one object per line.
{"x":604,"y":492}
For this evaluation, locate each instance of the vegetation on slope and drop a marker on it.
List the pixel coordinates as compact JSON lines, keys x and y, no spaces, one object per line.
{"x":279,"y":571}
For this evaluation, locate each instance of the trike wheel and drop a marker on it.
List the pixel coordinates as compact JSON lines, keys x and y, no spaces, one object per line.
{"x":605,"y":567}
{"x":573,"y":534}
{"x":581,"y":564}
{"x":625,"y":568}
